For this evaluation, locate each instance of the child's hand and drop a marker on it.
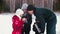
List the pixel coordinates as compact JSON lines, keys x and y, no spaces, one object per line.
{"x":23,"y":25}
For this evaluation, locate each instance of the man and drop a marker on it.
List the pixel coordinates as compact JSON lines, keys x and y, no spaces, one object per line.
{"x":27,"y":24}
{"x":43,"y":16}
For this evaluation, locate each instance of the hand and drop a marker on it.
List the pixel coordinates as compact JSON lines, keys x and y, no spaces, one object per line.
{"x":24,"y":19}
{"x":23,"y":25}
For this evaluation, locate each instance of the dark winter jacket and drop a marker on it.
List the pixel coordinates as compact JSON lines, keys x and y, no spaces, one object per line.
{"x":27,"y":25}
{"x":46,"y":16}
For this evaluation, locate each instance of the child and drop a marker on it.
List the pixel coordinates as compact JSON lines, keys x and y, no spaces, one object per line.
{"x":17,"y":22}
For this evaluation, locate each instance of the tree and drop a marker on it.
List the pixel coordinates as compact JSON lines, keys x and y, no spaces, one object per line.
{"x":2,"y":5}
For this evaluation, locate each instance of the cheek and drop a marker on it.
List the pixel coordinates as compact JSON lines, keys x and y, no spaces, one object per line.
{"x":20,"y":15}
{"x":24,"y":10}
{"x":31,"y":12}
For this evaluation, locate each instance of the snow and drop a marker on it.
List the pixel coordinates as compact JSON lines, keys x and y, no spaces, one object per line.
{"x":58,"y":23}
{"x":6,"y":23}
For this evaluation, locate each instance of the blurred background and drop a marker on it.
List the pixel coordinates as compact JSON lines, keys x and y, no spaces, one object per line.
{"x":8,"y":7}
{"x":12,"y":5}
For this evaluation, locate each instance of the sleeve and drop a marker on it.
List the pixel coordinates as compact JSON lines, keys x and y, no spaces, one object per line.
{"x":16,"y":24}
{"x":34,"y":28}
{"x":21,"y":23}
{"x":41,"y":24}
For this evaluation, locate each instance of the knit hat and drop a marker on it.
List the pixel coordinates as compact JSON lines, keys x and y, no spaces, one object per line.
{"x":24,"y":6}
{"x":19,"y":12}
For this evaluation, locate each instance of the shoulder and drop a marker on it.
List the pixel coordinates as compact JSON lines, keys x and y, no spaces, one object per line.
{"x":44,"y":10}
{"x":14,"y":17}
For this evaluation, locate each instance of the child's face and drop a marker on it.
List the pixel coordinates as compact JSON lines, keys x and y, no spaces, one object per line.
{"x":21,"y":15}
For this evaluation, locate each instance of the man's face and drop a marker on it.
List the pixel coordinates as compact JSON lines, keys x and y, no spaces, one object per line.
{"x":30,"y":12}
{"x":24,"y":10}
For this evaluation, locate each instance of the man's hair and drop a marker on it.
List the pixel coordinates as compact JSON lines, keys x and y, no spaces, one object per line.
{"x":31,"y":7}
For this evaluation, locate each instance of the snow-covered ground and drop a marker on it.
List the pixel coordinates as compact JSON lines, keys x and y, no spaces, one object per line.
{"x":58,"y":23}
{"x":6,"y":23}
